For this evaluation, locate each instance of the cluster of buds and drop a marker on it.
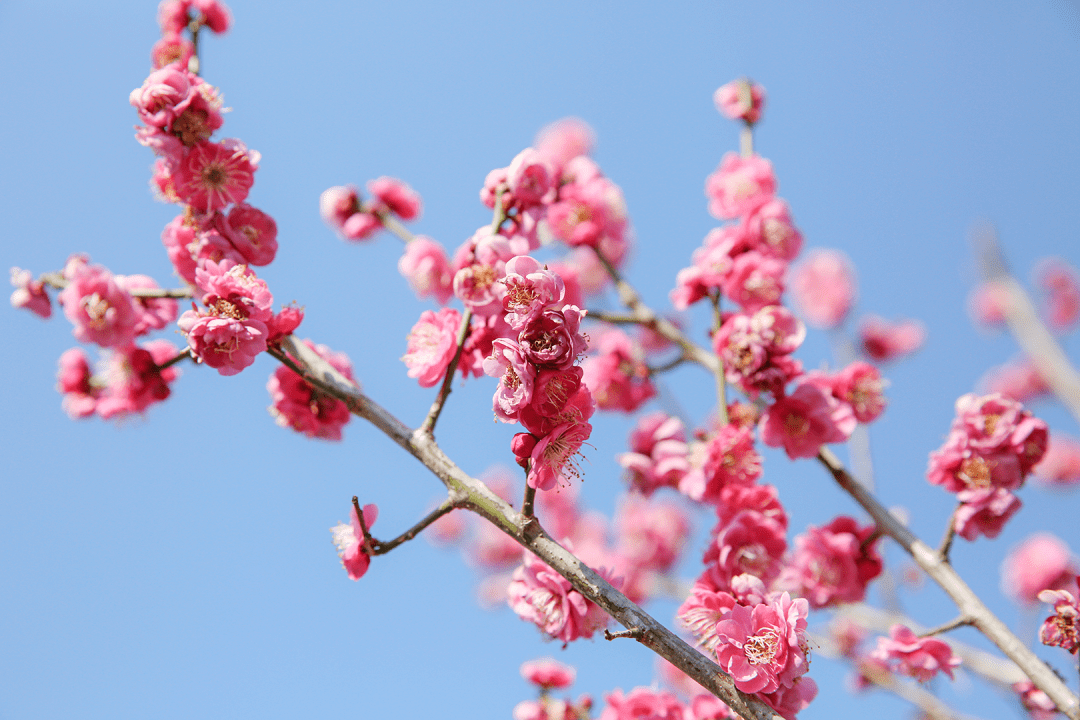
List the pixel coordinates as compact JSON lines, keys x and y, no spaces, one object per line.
{"x":344,"y":210}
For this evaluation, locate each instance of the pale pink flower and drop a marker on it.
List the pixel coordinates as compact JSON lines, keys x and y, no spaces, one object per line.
{"x":174,"y":101}
{"x":764,"y":648}
{"x":541,"y":596}
{"x":349,"y":540}
{"x":770,"y":229}
{"x":642,"y":703}
{"x":702,"y":609}
{"x":553,"y":456}
{"x":427,"y":268}
{"x":214,"y":175}
{"x":1019,"y":381}
{"x":651,"y":534}
{"x":884,"y":341}
{"x":920,"y":658}
{"x":823,"y":286}
{"x":984,"y":511}
{"x":396,"y":196}
{"x":173,"y":15}
{"x":588,"y":211}
{"x":1041,"y":562}
{"x":101,"y":311}
{"x":530,"y":288}
{"x":1060,"y":465}
{"x":516,"y":376}
{"x":1062,"y":286}
{"x":763,"y":499}
{"x":706,"y":706}
{"x":617,"y":375}
{"x":558,"y":397}
{"x":739,"y":186}
{"x":432,"y":343}
{"x":252,"y":232}
{"x":805,"y":420}
{"x":548,"y":673}
{"x":361,"y":226}
{"x":298,"y":405}
{"x":29,"y":293}
{"x":563,"y":140}
{"x":987,"y":303}
{"x":1035,"y":701}
{"x":1062,"y":629}
{"x":658,"y":453}
{"x":832,"y":564}
{"x":740,"y":100}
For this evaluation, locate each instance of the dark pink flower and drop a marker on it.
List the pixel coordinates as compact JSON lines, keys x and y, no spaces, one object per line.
{"x":214,"y":14}
{"x":651,"y":534}
{"x":548,"y":673}
{"x":396,"y":196}
{"x":755,"y":349}
{"x":153,"y":313}
{"x":349,"y":540}
{"x":338,"y":204}
{"x":860,"y":385}
{"x":427,"y":269}
{"x":884,"y":341}
{"x":432,"y":343}
{"x":553,"y":338}
{"x":298,"y":405}
{"x":224,"y":343}
{"x":29,"y":293}
{"x":75,"y":384}
{"x":530,"y":288}
{"x":756,"y":280}
{"x":174,"y":101}
{"x":920,"y":658}
{"x":516,"y":377}
{"x":739,"y":186}
{"x":214,"y":175}
{"x":789,"y":701}
{"x":234,"y":291}
{"x":101,"y":311}
{"x":171,"y":48}
{"x":531,"y":179}
{"x":740,"y":100}
{"x":771,"y":230}
{"x":805,"y":420}
{"x":823,"y":286}
{"x":750,"y":542}
{"x":1040,"y":562}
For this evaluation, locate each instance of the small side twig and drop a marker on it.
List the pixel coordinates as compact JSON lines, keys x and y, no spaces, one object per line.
{"x":718,"y":371}
{"x":527,"y":504}
{"x":379,"y":547}
{"x":182,"y":355}
{"x":670,"y":365}
{"x":961,"y":621}
{"x":950,"y":535}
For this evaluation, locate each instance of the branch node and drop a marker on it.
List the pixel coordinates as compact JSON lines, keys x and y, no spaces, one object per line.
{"x":635,"y":632}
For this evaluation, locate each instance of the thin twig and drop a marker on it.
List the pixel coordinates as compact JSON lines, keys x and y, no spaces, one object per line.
{"x":670,"y":365}
{"x":961,"y":621}
{"x":379,"y":547}
{"x":389,"y":222}
{"x":58,"y":281}
{"x":529,"y":500}
{"x":966,"y":600}
{"x":193,"y":65}
{"x":182,"y":355}
{"x":444,"y":392}
{"x":369,"y":542}
{"x":950,"y":535}
{"x":718,"y":371}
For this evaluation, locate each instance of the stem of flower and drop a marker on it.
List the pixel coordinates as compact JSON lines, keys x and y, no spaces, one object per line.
{"x":444,"y":392}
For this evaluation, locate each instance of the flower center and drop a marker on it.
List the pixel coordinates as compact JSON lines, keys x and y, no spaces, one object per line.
{"x":761,"y":649}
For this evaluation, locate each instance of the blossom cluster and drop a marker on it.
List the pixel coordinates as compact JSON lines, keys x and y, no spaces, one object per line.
{"x":992,"y":446}
{"x":344,"y":210}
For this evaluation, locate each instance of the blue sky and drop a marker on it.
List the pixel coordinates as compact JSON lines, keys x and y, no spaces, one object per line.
{"x":179,"y":565}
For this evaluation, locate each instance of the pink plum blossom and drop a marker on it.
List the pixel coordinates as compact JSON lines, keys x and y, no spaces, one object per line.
{"x":171,"y":48}
{"x":298,"y":405}
{"x":805,"y":420}
{"x":823,"y":286}
{"x":349,"y":540}
{"x":658,"y":453}
{"x":214,"y":175}
{"x":153,"y":313}
{"x":729,"y":457}
{"x":588,"y":211}
{"x":755,"y":349}
{"x":755,"y":280}
{"x":214,"y":14}
{"x":133,"y":381}
{"x":884,"y":341}
{"x":764,"y":648}
{"x":427,"y":268}
{"x":642,"y":703}
{"x":771,"y":230}
{"x":563,"y":140}
{"x":987,"y":304}
{"x":702,"y":610}
{"x":99,"y":308}
{"x":338,"y":204}
{"x":553,"y":338}
{"x":651,"y":534}
{"x":29,"y":293}
{"x":739,"y":186}
{"x":750,"y":542}
{"x":1035,"y":701}
{"x":617,"y":375}
{"x":234,"y":291}
{"x":396,"y":196}
{"x":553,"y":456}
{"x":432,"y":343}
{"x":984,"y":511}
{"x":541,"y":596}
{"x":252,"y":232}
{"x":920,"y":658}
{"x":740,"y":100}
{"x":530,"y":288}
{"x":832,"y":564}
{"x":548,"y":673}
{"x":1060,"y":466}
{"x":1019,"y":380}
{"x":1062,"y":629}
{"x":1041,"y":562}
{"x":516,"y":376}
{"x":75,"y":383}
{"x":174,"y":101}
{"x":284,"y":323}
{"x":224,"y":343}
{"x":531,"y":179}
